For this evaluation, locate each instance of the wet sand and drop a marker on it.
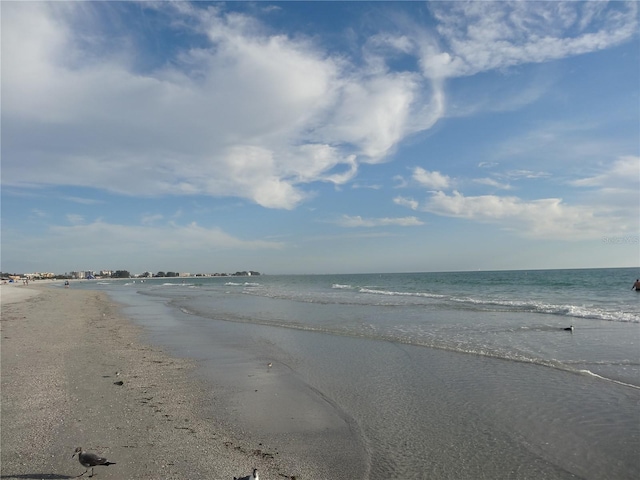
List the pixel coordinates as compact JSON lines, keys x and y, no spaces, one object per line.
{"x":76,"y":373}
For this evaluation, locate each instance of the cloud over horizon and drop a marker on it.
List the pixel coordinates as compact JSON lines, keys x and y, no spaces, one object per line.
{"x":547,"y":217}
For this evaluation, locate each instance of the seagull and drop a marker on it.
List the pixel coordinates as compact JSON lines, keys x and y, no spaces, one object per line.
{"x":87,"y":460}
{"x":568,"y":329}
{"x":253,"y":476}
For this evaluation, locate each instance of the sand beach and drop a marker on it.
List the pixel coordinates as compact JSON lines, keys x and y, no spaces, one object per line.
{"x":75,"y":373}
{"x":11,"y":293}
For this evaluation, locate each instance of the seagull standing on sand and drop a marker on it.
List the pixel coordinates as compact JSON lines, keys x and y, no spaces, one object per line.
{"x":87,"y":460}
{"x":253,"y":476}
{"x":569,"y":329}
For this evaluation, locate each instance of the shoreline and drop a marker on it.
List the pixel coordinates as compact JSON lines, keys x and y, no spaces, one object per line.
{"x":60,"y":391}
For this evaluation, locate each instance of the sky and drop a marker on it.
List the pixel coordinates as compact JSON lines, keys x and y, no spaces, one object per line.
{"x":319,"y":137}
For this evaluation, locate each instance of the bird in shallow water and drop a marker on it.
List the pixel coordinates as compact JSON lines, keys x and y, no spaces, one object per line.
{"x":253,"y":476}
{"x":90,"y":460}
{"x":569,"y":329}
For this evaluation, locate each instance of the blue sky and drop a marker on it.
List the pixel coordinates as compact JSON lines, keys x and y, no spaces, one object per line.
{"x":319,"y":137}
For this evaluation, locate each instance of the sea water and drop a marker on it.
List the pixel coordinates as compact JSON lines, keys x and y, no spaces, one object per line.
{"x":420,"y":375}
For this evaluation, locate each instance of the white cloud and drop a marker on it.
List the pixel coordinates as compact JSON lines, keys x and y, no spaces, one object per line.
{"x":99,"y":242}
{"x":482,"y":36}
{"x":358,"y":221}
{"x":401,"y":182}
{"x":623,"y":174}
{"x":543,"y":218}
{"x":610,"y":208}
{"x":250,"y":114}
{"x":75,"y":219}
{"x":576,"y":140}
{"x":83,"y":200}
{"x":487,"y":164}
{"x":407,"y":202}
{"x":492,"y":183}
{"x":528,"y":174}
{"x":616,"y":185}
{"x":434,"y":180}
{"x":357,"y":186}
{"x":150,"y":219}
{"x":191,"y":236}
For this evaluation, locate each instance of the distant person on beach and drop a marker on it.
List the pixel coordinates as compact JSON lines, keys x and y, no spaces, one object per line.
{"x":636,"y":286}
{"x":66,"y":284}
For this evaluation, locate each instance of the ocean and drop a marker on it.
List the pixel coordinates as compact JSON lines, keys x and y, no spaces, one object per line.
{"x":420,"y":375}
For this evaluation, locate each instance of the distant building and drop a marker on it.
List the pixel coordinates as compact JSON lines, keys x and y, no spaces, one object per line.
{"x":84,"y":274}
{"x":39,"y":275}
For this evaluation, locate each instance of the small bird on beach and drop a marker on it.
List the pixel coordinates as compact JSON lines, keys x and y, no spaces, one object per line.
{"x":253,"y":476}
{"x":568,"y":329}
{"x":90,"y":460}
{"x":269,"y":365}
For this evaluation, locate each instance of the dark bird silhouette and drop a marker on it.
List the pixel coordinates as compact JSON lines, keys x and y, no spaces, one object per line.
{"x":568,"y":329}
{"x":253,"y":476}
{"x":90,"y":460}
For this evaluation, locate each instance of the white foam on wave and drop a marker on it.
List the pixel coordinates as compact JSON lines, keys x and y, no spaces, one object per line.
{"x":600,"y":377}
{"x":401,"y":294}
{"x":626,"y":362}
{"x":342,"y":287}
{"x":577,"y":311}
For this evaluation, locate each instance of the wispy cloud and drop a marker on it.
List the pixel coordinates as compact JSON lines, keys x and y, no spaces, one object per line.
{"x":491,"y":182}
{"x":366,"y":186}
{"x":358,"y":221}
{"x":611,"y":206}
{"x":528,"y":174}
{"x":98,"y":242}
{"x":487,"y":164}
{"x":190,"y":236}
{"x":248,"y":112}
{"x":75,"y":219}
{"x":352,"y":235}
{"x":615,"y":185}
{"x":504,"y":34}
{"x":150,"y":219}
{"x":84,"y":200}
{"x":407,"y":202}
{"x":624,"y":173}
{"x":434,"y":180}
{"x":544,"y":218}
{"x":251,"y":115}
